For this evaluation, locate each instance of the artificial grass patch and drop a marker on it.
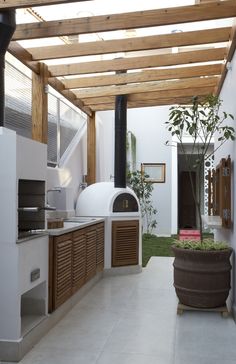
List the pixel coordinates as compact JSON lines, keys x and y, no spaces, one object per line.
{"x":159,"y":246}
{"x":156,"y":246}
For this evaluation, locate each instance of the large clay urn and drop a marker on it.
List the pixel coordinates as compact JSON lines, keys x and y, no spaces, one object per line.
{"x":202,"y":278}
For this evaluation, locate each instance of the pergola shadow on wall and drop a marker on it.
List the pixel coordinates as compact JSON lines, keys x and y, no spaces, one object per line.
{"x":163,"y":68}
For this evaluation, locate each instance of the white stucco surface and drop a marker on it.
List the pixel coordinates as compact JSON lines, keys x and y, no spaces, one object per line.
{"x":147,"y":124}
{"x":227,"y":95}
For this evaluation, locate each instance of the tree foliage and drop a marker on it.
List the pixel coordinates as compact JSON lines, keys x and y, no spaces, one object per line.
{"x":143,"y":190}
{"x":202,"y":121}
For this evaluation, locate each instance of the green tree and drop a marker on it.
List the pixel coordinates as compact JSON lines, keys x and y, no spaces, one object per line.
{"x":143,"y":190}
{"x":201,"y":121}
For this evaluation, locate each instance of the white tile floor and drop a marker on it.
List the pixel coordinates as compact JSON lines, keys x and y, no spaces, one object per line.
{"x":132,"y":320}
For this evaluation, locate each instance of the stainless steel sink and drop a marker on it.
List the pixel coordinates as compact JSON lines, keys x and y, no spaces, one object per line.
{"x":80,"y":220}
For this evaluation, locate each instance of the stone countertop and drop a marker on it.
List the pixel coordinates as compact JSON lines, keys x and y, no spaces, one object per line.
{"x":70,"y":225}
{"x":74,"y":224}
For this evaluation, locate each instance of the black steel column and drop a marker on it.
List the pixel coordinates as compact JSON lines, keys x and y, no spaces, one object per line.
{"x":120,"y":140}
{"x":7,"y":28}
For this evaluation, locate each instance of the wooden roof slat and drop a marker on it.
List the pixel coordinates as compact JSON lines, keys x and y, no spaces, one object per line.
{"x":144,"y":76}
{"x":147,"y":103}
{"x":9,"y":4}
{"x":151,"y":95}
{"x":230,"y":52}
{"x":163,"y":77}
{"x":167,"y":59}
{"x":25,"y":57}
{"x":197,"y":37}
{"x":139,"y":19}
{"x":147,"y":87}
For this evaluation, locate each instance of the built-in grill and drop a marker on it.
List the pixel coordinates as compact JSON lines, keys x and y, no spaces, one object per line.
{"x":117,"y":203}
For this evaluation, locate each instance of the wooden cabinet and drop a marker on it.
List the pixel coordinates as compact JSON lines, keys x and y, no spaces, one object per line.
{"x":100,"y":248}
{"x":74,"y":258}
{"x":125,"y":243}
{"x":78,"y":259}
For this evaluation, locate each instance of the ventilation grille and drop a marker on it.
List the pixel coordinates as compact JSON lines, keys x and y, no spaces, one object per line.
{"x":91,"y":252}
{"x":79,"y":259}
{"x":63,"y":269}
{"x":125,"y":243}
{"x":100,"y":247}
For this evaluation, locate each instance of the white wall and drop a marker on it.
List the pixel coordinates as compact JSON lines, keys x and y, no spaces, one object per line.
{"x":147,"y":124}
{"x":71,"y":173}
{"x":105,"y":146}
{"x":227,"y":95}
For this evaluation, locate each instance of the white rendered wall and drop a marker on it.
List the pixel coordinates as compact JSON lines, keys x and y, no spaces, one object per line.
{"x":147,"y":124}
{"x":26,"y":159}
{"x":105,"y":145}
{"x":70,"y":174}
{"x":9,"y":299}
{"x":227,"y":95}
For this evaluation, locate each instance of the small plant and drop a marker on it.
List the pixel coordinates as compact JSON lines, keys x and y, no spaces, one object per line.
{"x":201,"y":121}
{"x":143,"y":190}
{"x":206,"y":244}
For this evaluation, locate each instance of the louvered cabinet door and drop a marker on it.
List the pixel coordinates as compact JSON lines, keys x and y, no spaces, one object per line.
{"x":91,"y":252}
{"x":79,"y":259}
{"x":125,"y":243}
{"x":62,"y":269}
{"x":100,"y":247}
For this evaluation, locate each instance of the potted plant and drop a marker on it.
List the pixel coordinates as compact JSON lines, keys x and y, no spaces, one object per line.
{"x":201,"y":268}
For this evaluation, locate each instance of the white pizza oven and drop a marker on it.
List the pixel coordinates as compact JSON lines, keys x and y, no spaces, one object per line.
{"x":118,"y":204}
{"x":121,"y":210}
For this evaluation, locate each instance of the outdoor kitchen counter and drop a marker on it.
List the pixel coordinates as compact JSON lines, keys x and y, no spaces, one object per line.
{"x":70,"y":225}
{"x":73,"y":224}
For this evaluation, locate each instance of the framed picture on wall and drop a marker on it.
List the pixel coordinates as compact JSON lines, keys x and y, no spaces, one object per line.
{"x":155,"y":171}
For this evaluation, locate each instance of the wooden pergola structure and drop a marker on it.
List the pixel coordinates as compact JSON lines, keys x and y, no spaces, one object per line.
{"x":149,"y":73}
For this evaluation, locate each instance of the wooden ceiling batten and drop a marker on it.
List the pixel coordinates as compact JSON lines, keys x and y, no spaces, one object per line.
{"x":143,"y":76}
{"x":168,"y":59}
{"x":147,"y":87}
{"x":25,"y":57}
{"x":229,"y":55}
{"x":155,"y":73}
{"x":147,"y":103}
{"x":9,"y":4}
{"x":215,"y":35}
{"x":151,"y":96}
{"x":132,"y":20}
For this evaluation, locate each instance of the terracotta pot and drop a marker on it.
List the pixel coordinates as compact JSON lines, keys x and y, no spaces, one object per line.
{"x":202,"y":278}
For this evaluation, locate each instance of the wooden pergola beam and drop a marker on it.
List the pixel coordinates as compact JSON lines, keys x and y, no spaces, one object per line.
{"x":25,"y":57}
{"x":40,"y":105}
{"x":155,"y":95}
{"x":147,"y":103}
{"x":132,"y":20}
{"x":9,"y":4}
{"x":229,"y":55}
{"x":147,"y":87}
{"x":167,"y":59}
{"x":91,"y":150}
{"x":144,"y":76}
{"x":215,"y":35}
